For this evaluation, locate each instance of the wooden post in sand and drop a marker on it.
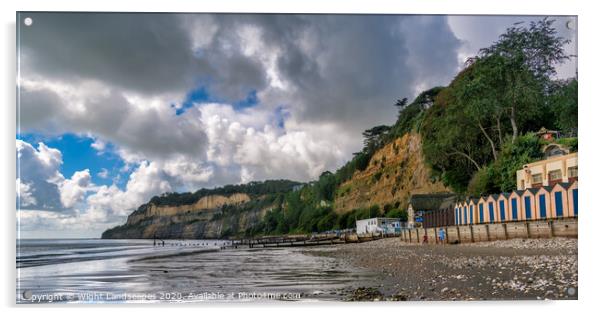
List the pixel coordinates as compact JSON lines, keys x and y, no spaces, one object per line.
{"x":458,"y":233}
{"x":471,"y":234}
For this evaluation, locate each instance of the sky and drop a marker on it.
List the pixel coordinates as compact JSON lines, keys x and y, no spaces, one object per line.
{"x":116,"y":108}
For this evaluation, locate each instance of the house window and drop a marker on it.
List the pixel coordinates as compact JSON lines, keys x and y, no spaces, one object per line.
{"x":537,"y":178}
{"x":555,"y":175}
{"x":573,"y":172}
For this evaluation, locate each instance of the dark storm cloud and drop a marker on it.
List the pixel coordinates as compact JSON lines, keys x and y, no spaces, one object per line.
{"x":342,"y":69}
{"x":364,"y":63}
{"x":148,"y":53}
{"x":40,"y":107}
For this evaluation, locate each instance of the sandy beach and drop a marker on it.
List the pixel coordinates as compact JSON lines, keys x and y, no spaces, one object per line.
{"x":515,"y":269}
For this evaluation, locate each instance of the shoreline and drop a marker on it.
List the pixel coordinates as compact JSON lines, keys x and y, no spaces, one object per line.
{"x":515,"y":269}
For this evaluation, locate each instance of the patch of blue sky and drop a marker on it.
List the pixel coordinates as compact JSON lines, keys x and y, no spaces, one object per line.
{"x":200,"y":95}
{"x":250,"y":101}
{"x":197,"y":95}
{"x":78,"y":154}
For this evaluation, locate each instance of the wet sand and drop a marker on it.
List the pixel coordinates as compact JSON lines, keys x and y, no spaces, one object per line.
{"x":176,"y":274}
{"x":519,"y":269}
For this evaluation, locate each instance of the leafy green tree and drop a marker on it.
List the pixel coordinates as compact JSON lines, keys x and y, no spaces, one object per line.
{"x":326,"y":186}
{"x":524,"y":57}
{"x":500,"y":176}
{"x":397,"y":213}
{"x":451,"y":141}
{"x":563,"y":101}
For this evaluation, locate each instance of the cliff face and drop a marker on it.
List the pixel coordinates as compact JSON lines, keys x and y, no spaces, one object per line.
{"x":394,"y":173}
{"x":212,"y":216}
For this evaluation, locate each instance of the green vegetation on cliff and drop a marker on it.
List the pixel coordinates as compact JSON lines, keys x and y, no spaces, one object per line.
{"x":255,"y":188}
{"x":472,"y":134}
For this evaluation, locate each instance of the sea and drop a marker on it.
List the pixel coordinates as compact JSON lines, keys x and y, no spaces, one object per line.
{"x":140,"y":271}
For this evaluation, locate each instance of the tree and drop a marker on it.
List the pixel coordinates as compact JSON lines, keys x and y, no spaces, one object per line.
{"x":476,"y":91}
{"x":525,"y":59}
{"x":373,"y":137}
{"x":401,"y":104}
{"x":563,"y":101}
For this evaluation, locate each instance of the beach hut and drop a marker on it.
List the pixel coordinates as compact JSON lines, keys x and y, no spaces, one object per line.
{"x":481,"y":212}
{"x":559,"y":200}
{"x":458,"y":213}
{"x":472,"y":211}
{"x":543,"y":202}
{"x":464,"y":214}
{"x":502,"y":207}
{"x":515,"y":205}
{"x":572,"y":193}
{"x":492,"y":210}
{"x":528,"y":200}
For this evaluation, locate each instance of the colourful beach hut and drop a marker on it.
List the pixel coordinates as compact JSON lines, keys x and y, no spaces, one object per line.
{"x":528,"y":199}
{"x":559,"y":200}
{"x":481,"y":211}
{"x":572,"y":193}
{"x":515,"y":204}
{"x":543,"y":203}
{"x":491,"y":208}
{"x":464,"y":211}
{"x":502,"y":207}
{"x":472,"y":211}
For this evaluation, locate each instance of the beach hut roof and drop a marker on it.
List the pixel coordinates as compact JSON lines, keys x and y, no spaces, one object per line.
{"x":565,"y":185}
{"x":533,"y":190}
{"x":547,"y":188}
{"x":506,"y":195}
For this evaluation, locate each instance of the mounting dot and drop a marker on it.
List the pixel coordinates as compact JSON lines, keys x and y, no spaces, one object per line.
{"x":28,"y":21}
